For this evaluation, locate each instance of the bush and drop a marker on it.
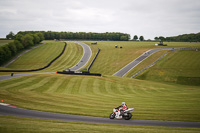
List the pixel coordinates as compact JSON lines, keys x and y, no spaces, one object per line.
{"x":19,"y":37}
{"x":27,"y":40}
{"x":2,"y":56}
{"x":40,"y":35}
{"x":36,"y":39}
{"x":6,"y":53}
{"x":18,"y":45}
{"x":12,"y":48}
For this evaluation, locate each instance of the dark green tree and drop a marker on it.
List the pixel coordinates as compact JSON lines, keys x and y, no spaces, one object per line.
{"x":185,"y":38}
{"x":12,"y":48}
{"x":18,"y":45}
{"x":36,"y":39}
{"x":11,"y":35}
{"x":19,"y":37}
{"x":41,"y":36}
{"x":156,"y":38}
{"x":7,"y":51}
{"x":135,"y":37}
{"x":123,"y":38}
{"x":162,"y":38}
{"x":2,"y":55}
{"x":141,"y":38}
{"x":27,"y":40}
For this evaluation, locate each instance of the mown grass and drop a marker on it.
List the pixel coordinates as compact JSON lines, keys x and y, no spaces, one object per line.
{"x":38,"y":57}
{"x":178,"y":67}
{"x":3,"y":42}
{"x":111,"y":59}
{"x":41,"y":56}
{"x":72,"y":55}
{"x":97,"y":96}
{"x":20,"y":125}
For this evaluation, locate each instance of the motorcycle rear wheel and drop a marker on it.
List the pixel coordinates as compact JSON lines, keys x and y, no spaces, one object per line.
{"x":112,"y":116}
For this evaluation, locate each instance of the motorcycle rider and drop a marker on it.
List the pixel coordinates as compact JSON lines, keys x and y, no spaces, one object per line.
{"x":124,"y":107}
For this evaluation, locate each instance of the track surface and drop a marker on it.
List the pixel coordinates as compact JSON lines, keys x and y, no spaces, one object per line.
{"x":86,"y":56}
{"x":4,"y":77}
{"x":135,"y":62}
{"x":12,"y":111}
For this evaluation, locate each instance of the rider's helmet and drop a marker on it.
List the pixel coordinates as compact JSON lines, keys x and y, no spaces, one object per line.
{"x":123,"y":103}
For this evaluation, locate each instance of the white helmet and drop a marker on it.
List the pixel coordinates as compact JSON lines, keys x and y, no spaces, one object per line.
{"x":123,"y":103}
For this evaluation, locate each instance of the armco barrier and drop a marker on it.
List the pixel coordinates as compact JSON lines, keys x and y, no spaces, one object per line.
{"x":38,"y":68}
{"x":78,"y":73}
{"x":93,"y":60}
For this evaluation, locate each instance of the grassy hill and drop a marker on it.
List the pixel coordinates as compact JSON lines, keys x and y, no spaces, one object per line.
{"x":111,"y":59}
{"x":41,"y":56}
{"x":97,"y":96}
{"x":182,"y":67}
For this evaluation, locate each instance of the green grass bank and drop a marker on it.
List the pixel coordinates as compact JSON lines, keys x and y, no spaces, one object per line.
{"x":97,"y":96}
{"x":181,"y":67}
{"x":42,"y":55}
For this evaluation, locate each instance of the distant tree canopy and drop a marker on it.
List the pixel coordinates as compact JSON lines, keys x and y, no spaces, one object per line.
{"x":156,"y":38}
{"x":135,"y":37}
{"x":182,"y":38}
{"x":11,"y":35}
{"x":50,"y":35}
{"x":141,"y":38}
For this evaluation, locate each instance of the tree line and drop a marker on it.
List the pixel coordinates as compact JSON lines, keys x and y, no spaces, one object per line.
{"x":51,"y":35}
{"x":181,"y":38}
{"x":21,"y":42}
{"x":135,"y":38}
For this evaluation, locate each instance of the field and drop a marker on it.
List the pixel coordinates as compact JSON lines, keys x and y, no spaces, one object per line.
{"x":96,"y":96}
{"x":3,"y":42}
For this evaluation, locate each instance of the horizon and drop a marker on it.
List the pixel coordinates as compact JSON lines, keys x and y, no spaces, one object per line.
{"x":142,"y":18}
{"x":131,"y":36}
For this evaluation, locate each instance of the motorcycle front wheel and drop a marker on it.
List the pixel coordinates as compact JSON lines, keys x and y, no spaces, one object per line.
{"x":112,"y":116}
{"x":128,"y":117}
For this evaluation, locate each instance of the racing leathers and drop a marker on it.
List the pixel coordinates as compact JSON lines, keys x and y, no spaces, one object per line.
{"x":124,"y":107}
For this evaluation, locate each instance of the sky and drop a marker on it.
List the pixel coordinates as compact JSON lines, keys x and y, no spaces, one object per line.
{"x":148,"y":18}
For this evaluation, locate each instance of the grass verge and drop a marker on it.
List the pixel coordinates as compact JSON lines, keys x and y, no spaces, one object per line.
{"x":26,"y":125}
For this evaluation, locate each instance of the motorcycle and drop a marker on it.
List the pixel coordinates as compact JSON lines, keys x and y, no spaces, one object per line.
{"x":126,"y":115}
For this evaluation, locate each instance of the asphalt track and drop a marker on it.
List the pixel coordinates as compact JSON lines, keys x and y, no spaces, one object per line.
{"x":13,"y":111}
{"x":135,"y":62}
{"x":87,"y":52}
{"x":4,"y":77}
